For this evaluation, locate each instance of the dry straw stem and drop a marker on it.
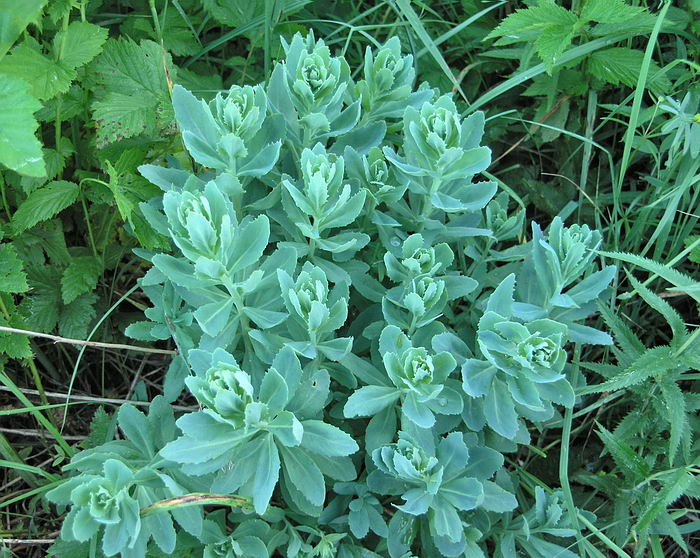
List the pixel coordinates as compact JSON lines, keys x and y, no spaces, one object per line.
{"x":98,"y":400}
{"x":57,"y":339}
{"x":14,"y":542}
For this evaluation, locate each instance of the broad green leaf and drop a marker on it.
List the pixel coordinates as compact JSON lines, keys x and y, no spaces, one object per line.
{"x":119,"y":116}
{"x":161,"y":528}
{"x":200,"y":131}
{"x":501,"y":299}
{"x":381,"y":429}
{"x":117,"y":535}
{"x":44,"y":203}
{"x":76,"y":317}
{"x":477,"y":376}
{"x":589,"y":288}
{"x":220,"y":438}
{"x":588,"y":335}
{"x":80,"y":277}
{"x":446,"y":522}
{"x":20,"y":150}
{"x":265,"y":319}
{"x":261,"y":162}
{"x":287,"y":429}
{"x":13,"y":279}
{"x":14,"y":19}
{"x":417,"y":412}
{"x":46,"y":77}
{"x":79,"y":43}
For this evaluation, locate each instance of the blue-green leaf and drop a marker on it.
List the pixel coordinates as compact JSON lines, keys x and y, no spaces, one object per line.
{"x":266,"y":475}
{"x":369,"y":400}
{"x":326,"y":439}
{"x":302,"y":472}
{"x":500,"y":411}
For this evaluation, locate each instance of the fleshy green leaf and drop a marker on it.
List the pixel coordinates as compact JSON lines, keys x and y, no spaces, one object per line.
{"x":325,"y":439}
{"x":369,"y":400}
{"x":266,"y":475}
{"x":500,"y":411}
{"x":302,"y":472}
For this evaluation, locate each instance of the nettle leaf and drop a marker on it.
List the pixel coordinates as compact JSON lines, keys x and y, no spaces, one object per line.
{"x":625,"y":457}
{"x":552,"y":43}
{"x":674,"y":402}
{"x":549,"y":25}
{"x":80,"y":277}
{"x":653,"y":362}
{"x":534,"y":18}
{"x":20,"y":150}
{"x":44,"y":203}
{"x":609,"y":11}
{"x":75,"y":318}
{"x":102,"y":427}
{"x":623,"y":65}
{"x":678,"y":279}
